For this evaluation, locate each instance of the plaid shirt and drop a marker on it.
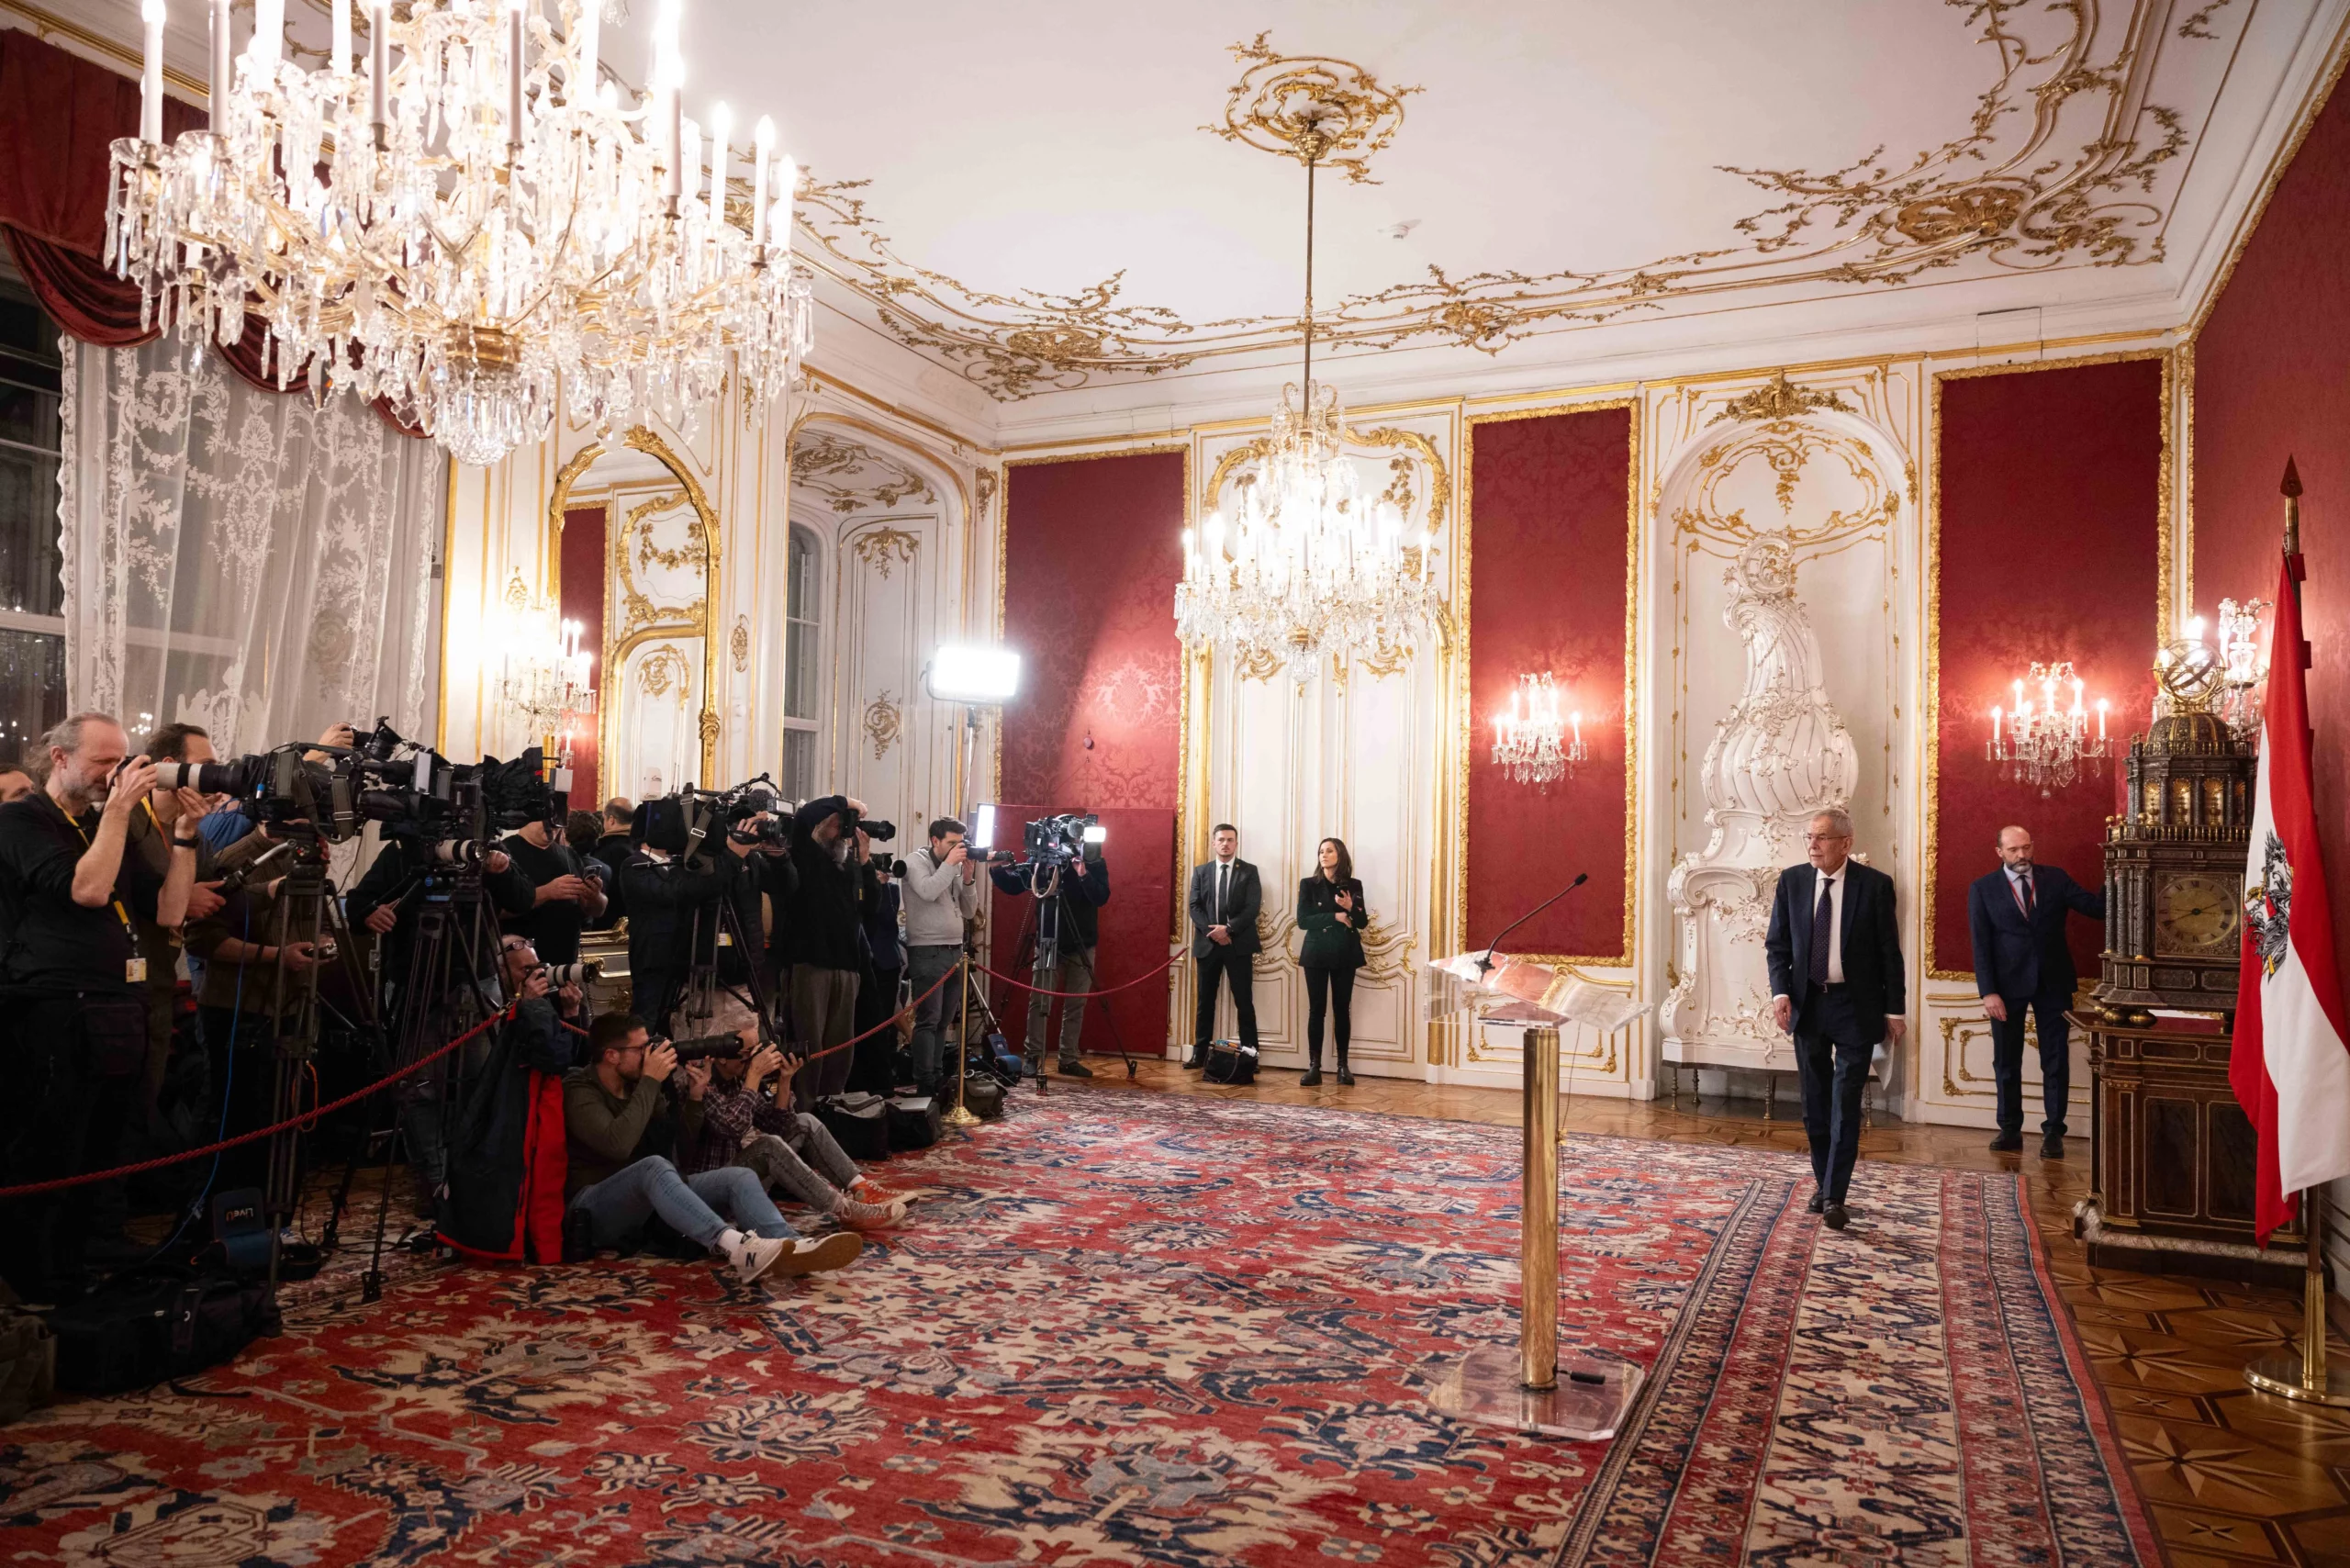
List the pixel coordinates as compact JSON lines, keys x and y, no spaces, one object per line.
{"x":730,"y":1117}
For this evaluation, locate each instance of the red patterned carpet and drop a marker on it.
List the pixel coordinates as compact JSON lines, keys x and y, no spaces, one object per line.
{"x":1141,"y":1330}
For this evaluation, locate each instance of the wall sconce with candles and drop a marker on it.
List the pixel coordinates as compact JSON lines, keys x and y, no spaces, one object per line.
{"x":1529,"y":742}
{"x":543,"y":672}
{"x":2045,"y":743}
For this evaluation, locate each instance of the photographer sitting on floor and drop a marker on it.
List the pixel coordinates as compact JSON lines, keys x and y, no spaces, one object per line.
{"x":791,"y":1151}
{"x":505,"y":1138}
{"x":620,"y":1125}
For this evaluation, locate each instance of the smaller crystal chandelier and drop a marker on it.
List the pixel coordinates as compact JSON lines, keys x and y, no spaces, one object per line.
{"x":544,"y":674}
{"x":1530,"y":743}
{"x":2045,"y":743}
{"x":2243,"y":667}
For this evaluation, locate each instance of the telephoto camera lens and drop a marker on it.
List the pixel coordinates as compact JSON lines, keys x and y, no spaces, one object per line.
{"x":581,"y":973}
{"x":204,"y":778}
{"x":879,"y":832}
{"x":458,"y":852}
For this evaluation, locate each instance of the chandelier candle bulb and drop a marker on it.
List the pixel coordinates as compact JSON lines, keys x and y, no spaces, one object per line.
{"x":514,"y":40}
{"x":223,"y":73}
{"x":338,"y":39}
{"x":150,"y":76}
{"x":591,"y":26}
{"x":721,"y":126}
{"x":762,"y":149}
{"x":379,"y":66}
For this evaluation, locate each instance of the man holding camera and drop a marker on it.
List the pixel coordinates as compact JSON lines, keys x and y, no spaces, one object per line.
{"x":566,"y":897}
{"x":70,"y":959}
{"x":612,"y":850}
{"x":831,"y":851}
{"x":621,"y":1127}
{"x":790,"y":1150}
{"x":942,"y":892}
{"x":506,"y":1142}
{"x":1069,"y":883}
{"x":149,"y":836}
{"x":668,"y":896}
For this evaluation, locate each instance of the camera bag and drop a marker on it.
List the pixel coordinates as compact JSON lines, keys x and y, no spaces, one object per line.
{"x":982,"y":1095}
{"x":914,"y":1121}
{"x":28,"y":1363}
{"x":156,"y":1323}
{"x":1230,"y":1062}
{"x":859,"y":1123}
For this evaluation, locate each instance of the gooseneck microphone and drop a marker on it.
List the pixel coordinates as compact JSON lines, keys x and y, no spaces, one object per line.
{"x":1485,"y":964}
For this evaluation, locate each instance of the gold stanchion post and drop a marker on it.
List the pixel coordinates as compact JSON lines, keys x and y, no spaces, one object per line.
{"x":1521,"y":1387}
{"x":961,"y":1117}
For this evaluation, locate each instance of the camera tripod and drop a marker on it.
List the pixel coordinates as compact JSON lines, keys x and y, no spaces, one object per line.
{"x":1047,"y":955}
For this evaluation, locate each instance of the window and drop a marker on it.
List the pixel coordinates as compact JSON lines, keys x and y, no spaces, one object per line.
{"x":803,"y":569}
{"x":32,"y":627}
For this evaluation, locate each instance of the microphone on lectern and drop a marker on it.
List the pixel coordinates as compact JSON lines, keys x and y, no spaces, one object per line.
{"x":1486,"y":963}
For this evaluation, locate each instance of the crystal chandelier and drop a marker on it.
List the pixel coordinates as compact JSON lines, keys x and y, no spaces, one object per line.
{"x":1307,"y":565}
{"x":2243,"y":667}
{"x":543,"y":673}
{"x":461,"y":223}
{"x":1529,"y":742}
{"x":2045,"y":743}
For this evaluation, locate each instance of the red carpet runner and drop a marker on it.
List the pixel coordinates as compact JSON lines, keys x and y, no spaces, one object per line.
{"x":1132,"y":1330}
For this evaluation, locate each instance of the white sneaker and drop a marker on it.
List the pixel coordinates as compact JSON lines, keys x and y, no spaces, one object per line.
{"x":753,"y":1255}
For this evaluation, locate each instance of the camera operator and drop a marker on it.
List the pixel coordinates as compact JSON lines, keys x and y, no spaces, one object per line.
{"x":942,"y":892}
{"x":69,"y":954}
{"x":791,"y":1151}
{"x":149,"y":836}
{"x":1068,"y":932}
{"x":612,"y":850}
{"x":832,"y":855}
{"x":563,"y":896}
{"x":506,"y":1140}
{"x":621,"y":1127}
{"x":663,"y":894}
{"x":873,"y":1067}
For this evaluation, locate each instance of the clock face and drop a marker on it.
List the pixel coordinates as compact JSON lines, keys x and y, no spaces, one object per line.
{"x":2196,"y":915}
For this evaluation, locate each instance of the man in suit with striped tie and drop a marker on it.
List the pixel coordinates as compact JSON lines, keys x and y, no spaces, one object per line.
{"x":2016,"y":917}
{"x":1839,"y":986}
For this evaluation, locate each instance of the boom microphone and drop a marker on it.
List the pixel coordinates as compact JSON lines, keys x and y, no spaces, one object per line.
{"x":1485,"y":964}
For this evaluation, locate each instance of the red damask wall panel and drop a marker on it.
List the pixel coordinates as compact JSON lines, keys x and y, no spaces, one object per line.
{"x":582,"y":567}
{"x":1548,"y":520}
{"x":2050,"y":544}
{"x":1092,"y":552}
{"x":2272,"y":379}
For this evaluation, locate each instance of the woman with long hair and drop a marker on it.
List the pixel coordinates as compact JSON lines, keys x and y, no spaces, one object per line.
{"x":1331,"y":915}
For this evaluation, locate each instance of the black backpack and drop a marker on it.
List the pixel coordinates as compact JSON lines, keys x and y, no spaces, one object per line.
{"x":156,"y":1323}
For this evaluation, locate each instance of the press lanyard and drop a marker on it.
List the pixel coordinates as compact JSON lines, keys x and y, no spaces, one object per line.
{"x":135,"y":966}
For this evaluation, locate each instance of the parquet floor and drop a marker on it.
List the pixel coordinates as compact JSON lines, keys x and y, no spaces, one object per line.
{"x":2228,"y":1476}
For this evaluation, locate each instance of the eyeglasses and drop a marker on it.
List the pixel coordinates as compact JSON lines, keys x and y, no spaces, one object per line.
{"x":1826,"y":837}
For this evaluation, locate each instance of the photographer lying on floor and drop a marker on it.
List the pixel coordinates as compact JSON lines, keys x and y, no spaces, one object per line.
{"x":791,"y":1151}
{"x":620,"y":1122}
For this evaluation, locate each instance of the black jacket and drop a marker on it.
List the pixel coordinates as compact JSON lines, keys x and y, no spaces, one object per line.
{"x":1069,"y":915}
{"x":2019,"y":959}
{"x":611,"y":853}
{"x":1333,"y":937}
{"x":663,"y":898}
{"x":507,"y":1118}
{"x":397,"y":877}
{"x":1247,"y":897}
{"x":827,"y":905}
{"x":1870,"y":941}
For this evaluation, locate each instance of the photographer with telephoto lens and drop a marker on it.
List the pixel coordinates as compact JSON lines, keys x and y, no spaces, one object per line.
{"x":76,"y":984}
{"x":942,"y":892}
{"x":832,"y":852}
{"x":563,"y":897}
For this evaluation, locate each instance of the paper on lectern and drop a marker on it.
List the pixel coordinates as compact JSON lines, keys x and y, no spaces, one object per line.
{"x":1541,"y":994}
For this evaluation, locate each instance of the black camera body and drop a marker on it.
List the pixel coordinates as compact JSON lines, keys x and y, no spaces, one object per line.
{"x":712,"y":1046}
{"x":1054,"y":842}
{"x":682,"y":825}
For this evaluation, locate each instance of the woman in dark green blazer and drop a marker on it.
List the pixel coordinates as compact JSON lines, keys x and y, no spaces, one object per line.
{"x":1331,"y":915}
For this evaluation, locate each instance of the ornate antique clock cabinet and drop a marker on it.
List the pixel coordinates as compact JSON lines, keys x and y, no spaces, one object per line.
{"x":2171,"y":1151}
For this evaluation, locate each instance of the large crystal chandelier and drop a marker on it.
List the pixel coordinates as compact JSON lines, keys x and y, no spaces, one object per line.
{"x":463,"y":223}
{"x":1307,"y":565}
{"x":2046,"y":743}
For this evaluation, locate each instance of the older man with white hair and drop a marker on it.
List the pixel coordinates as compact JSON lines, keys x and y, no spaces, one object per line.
{"x":1839,"y":987}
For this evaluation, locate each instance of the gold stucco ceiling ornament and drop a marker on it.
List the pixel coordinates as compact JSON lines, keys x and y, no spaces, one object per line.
{"x":1311,"y":107}
{"x":1779,"y":398}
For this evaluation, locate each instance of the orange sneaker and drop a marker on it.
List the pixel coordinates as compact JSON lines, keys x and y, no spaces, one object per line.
{"x":855,"y":1216}
{"x":865,"y":1190}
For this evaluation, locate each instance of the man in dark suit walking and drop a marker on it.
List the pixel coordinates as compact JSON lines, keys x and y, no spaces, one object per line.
{"x":2016,"y":917}
{"x":1224,"y":899}
{"x":1839,"y":987}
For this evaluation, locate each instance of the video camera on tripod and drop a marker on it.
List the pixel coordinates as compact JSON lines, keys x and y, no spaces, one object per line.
{"x":682,"y":826}
{"x":1056,"y":842}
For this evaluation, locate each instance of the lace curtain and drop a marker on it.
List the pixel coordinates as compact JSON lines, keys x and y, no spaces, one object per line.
{"x":239,"y":559}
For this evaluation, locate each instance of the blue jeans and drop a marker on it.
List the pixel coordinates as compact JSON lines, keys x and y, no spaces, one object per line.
{"x":925,"y":965}
{"x":623,"y":1200}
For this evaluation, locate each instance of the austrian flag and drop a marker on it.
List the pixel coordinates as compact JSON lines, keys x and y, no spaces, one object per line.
{"x":2287,"y":1065}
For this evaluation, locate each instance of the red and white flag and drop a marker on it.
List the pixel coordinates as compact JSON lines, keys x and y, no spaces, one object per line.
{"x":2288,"y":1065}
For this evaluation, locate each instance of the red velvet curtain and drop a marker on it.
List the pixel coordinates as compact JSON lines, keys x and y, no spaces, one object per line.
{"x":1092,"y":552}
{"x":2050,"y":549}
{"x":1543,"y":491}
{"x":60,"y":115}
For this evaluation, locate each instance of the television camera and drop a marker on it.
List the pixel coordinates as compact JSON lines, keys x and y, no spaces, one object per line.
{"x":1056,"y":842}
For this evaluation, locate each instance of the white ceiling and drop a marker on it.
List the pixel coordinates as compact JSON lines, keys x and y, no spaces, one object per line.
{"x":1046,"y":224}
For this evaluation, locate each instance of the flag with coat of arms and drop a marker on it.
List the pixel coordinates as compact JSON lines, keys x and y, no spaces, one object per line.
{"x":2288,"y":1064}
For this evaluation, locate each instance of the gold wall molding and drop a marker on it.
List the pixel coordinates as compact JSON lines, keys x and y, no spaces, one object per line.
{"x":884,"y":722}
{"x":1779,"y":399}
{"x":1635,"y":542}
{"x":834,"y":467}
{"x":885,"y":548}
{"x":2164,"y":565}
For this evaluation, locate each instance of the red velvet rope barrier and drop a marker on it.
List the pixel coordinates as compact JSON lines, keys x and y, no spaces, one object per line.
{"x":299,"y":1119}
{"x":1104,"y":991}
